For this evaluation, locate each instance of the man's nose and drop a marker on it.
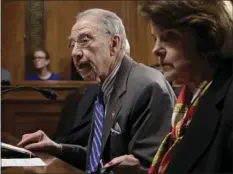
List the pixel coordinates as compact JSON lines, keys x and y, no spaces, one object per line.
{"x":77,"y":52}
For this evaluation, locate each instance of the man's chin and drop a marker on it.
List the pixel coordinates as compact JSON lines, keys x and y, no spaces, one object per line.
{"x":88,"y":77}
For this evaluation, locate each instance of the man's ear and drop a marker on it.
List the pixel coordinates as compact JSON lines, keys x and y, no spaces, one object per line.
{"x":115,"y":45}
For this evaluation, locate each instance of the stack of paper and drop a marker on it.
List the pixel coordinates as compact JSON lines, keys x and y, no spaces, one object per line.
{"x":22,"y":162}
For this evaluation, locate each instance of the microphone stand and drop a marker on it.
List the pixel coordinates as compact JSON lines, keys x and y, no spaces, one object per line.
{"x":9,"y":151}
{"x":47,"y":93}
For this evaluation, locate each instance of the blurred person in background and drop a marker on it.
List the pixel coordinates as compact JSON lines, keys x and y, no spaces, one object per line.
{"x":41,"y":62}
{"x":5,"y":75}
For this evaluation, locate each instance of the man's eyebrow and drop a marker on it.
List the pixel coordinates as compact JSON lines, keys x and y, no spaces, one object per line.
{"x":85,"y":33}
{"x":80,"y":35}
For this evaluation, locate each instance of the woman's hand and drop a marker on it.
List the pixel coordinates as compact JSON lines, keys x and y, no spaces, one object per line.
{"x":124,"y":164}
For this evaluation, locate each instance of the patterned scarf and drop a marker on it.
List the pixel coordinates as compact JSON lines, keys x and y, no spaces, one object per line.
{"x":182,"y":115}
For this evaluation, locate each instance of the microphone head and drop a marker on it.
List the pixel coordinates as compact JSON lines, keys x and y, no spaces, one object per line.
{"x":49,"y":94}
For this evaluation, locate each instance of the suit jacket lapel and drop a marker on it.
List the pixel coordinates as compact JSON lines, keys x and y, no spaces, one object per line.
{"x":202,"y":127}
{"x":90,"y":97}
{"x":114,"y":104}
{"x":85,"y":103}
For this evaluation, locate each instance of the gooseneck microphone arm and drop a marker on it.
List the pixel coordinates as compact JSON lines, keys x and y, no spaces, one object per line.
{"x":47,"y":93}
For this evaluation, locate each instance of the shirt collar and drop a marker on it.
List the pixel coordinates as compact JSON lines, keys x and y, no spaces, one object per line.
{"x":107,"y":86}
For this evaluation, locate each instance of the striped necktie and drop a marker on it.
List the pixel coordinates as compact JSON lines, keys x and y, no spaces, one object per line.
{"x":94,"y":157}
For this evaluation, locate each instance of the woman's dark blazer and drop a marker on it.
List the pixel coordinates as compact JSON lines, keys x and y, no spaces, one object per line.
{"x":207,"y":146}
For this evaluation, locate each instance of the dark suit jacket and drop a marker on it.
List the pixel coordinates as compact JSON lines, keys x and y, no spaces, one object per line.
{"x":141,"y":104}
{"x":75,"y":122}
{"x":207,"y":146}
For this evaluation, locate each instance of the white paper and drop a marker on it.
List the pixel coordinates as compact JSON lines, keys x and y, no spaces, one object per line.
{"x":11,"y":147}
{"x":22,"y":162}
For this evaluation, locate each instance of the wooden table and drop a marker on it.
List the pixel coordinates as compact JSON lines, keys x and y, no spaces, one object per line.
{"x":54,"y":165}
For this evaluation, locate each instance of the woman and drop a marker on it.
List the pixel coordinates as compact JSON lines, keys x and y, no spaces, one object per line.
{"x":193,"y":41}
{"x":41,"y":61}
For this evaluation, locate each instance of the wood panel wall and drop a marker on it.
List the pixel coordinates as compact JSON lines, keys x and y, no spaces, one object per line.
{"x":60,"y":18}
{"x":26,"y":110}
{"x":13,"y":27}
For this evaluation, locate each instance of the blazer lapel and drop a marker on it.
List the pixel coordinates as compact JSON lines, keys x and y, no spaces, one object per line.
{"x":202,"y":129}
{"x":115,"y":103}
{"x":90,"y":97}
{"x":85,"y":103}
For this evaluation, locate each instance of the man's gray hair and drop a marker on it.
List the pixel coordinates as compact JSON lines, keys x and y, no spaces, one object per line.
{"x":110,"y":21}
{"x":127,"y":47}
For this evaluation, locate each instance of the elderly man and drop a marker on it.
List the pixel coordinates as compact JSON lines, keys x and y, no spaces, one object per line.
{"x":132,"y":112}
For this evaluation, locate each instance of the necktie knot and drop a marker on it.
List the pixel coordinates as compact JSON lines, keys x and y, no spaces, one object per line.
{"x":100,"y":96}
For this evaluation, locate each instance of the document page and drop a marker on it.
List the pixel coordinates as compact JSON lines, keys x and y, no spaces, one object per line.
{"x":11,"y":147}
{"x":22,"y":162}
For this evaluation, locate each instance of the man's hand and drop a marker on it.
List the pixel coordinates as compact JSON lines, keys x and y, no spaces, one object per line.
{"x":124,"y":164}
{"x":39,"y":141}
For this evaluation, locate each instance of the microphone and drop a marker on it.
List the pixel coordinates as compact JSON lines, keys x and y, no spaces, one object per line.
{"x":47,"y":93}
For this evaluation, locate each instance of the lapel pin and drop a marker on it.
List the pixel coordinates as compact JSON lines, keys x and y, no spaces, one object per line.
{"x":113,"y":114}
